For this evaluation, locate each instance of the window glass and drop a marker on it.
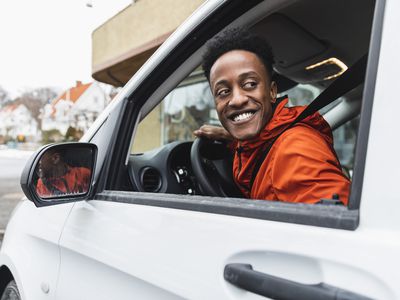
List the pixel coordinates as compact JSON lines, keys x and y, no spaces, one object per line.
{"x":185,"y":109}
{"x":345,"y":142}
{"x":148,"y":134}
{"x":301,"y":94}
{"x":182,"y":111}
{"x":304,"y":94}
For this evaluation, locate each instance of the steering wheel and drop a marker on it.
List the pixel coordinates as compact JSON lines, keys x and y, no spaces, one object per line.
{"x":212,"y":166}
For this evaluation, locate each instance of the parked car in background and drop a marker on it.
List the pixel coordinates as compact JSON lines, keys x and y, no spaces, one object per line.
{"x":147,"y":227}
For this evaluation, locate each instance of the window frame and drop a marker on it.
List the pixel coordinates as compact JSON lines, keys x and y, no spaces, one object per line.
{"x":366,"y":106}
{"x":330,"y":216}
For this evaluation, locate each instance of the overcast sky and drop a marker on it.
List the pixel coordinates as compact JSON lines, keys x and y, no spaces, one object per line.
{"x":48,"y":42}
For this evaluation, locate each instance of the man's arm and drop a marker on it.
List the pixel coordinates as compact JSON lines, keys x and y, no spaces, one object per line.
{"x":305,"y":169}
{"x":213,"y":133}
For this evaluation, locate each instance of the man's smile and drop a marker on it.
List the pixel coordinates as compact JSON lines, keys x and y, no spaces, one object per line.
{"x":242,"y":117}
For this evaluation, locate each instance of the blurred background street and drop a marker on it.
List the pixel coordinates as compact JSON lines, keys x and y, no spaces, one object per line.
{"x":47,"y":91}
{"x":12,"y":162}
{"x":63,"y":64}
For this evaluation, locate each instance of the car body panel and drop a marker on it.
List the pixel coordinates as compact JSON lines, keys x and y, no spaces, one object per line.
{"x":182,"y":254}
{"x":380,"y":197}
{"x":31,"y":232}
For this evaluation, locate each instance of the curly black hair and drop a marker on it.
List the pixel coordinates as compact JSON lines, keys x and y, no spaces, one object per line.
{"x":237,"y":39}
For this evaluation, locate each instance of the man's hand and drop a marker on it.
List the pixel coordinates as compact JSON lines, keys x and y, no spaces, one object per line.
{"x":213,"y":133}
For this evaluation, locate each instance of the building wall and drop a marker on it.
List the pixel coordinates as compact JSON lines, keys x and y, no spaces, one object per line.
{"x":139,"y":28}
{"x":148,"y":134}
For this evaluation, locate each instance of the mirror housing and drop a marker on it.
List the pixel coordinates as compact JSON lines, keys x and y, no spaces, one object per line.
{"x":60,"y":173}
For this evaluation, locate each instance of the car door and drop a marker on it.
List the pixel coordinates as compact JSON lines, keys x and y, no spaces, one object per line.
{"x":125,"y":244}
{"x":30,"y":248}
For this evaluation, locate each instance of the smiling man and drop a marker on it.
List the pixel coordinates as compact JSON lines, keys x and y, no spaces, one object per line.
{"x":270,"y":163}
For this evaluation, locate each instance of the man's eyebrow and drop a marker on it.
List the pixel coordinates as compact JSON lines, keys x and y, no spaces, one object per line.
{"x":220,"y":82}
{"x":248,"y":74}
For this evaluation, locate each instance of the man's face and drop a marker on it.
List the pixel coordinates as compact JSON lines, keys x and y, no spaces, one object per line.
{"x":47,"y":164}
{"x":243,"y":93}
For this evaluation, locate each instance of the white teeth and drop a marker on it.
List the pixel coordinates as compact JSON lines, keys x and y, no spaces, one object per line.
{"x":242,"y":116}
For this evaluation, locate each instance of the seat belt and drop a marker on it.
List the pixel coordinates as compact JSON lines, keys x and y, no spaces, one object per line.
{"x":349,"y":80}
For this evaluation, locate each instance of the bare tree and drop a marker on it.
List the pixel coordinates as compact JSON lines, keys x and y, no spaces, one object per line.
{"x":35,"y":99}
{"x":4,"y":96}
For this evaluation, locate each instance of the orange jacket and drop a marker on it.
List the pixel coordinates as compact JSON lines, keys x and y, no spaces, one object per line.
{"x":301,"y":166}
{"x":76,"y":180}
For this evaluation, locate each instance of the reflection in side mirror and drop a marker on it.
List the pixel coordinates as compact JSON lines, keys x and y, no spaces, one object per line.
{"x":59,"y":172}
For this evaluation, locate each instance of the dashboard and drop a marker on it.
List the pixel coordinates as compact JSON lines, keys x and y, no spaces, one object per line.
{"x":164,"y":170}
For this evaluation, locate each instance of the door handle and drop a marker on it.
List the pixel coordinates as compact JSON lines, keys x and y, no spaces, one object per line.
{"x":243,"y":276}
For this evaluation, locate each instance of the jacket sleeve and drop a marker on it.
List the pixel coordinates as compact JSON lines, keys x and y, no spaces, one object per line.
{"x":41,"y":189}
{"x":305,"y":168}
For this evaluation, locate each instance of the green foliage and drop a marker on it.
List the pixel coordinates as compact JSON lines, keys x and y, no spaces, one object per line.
{"x":73,"y":134}
{"x":52,"y":136}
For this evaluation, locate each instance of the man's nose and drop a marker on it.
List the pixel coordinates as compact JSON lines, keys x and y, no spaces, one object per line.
{"x":238,"y":99}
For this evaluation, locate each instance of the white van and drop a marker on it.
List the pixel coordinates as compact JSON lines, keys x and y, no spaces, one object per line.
{"x":146,"y":227}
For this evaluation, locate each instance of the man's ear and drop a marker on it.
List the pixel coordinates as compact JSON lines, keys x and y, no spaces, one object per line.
{"x":273,"y":90}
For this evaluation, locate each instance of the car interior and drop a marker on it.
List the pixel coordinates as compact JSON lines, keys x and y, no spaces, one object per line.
{"x":314,"y":43}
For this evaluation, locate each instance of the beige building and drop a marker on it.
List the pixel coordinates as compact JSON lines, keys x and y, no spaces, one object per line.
{"x":123,"y":43}
{"x":127,"y":40}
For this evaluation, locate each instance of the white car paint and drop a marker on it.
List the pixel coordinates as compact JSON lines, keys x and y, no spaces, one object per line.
{"x":30,"y":247}
{"x":202,"y":245}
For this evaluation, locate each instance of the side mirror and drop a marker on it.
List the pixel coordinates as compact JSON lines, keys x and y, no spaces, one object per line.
{"x":59,"y":173}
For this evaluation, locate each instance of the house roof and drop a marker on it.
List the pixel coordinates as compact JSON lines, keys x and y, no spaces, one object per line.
{"x":74,"y":93}
{"x":10,"y":107}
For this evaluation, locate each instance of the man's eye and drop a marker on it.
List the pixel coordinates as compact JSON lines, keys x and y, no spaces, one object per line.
{"x":223,"y":92}
{"x":250,"y":85}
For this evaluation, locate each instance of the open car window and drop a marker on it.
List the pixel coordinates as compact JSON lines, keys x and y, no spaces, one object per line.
{"x":160,"y":155}
{"x":191,"y":105}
